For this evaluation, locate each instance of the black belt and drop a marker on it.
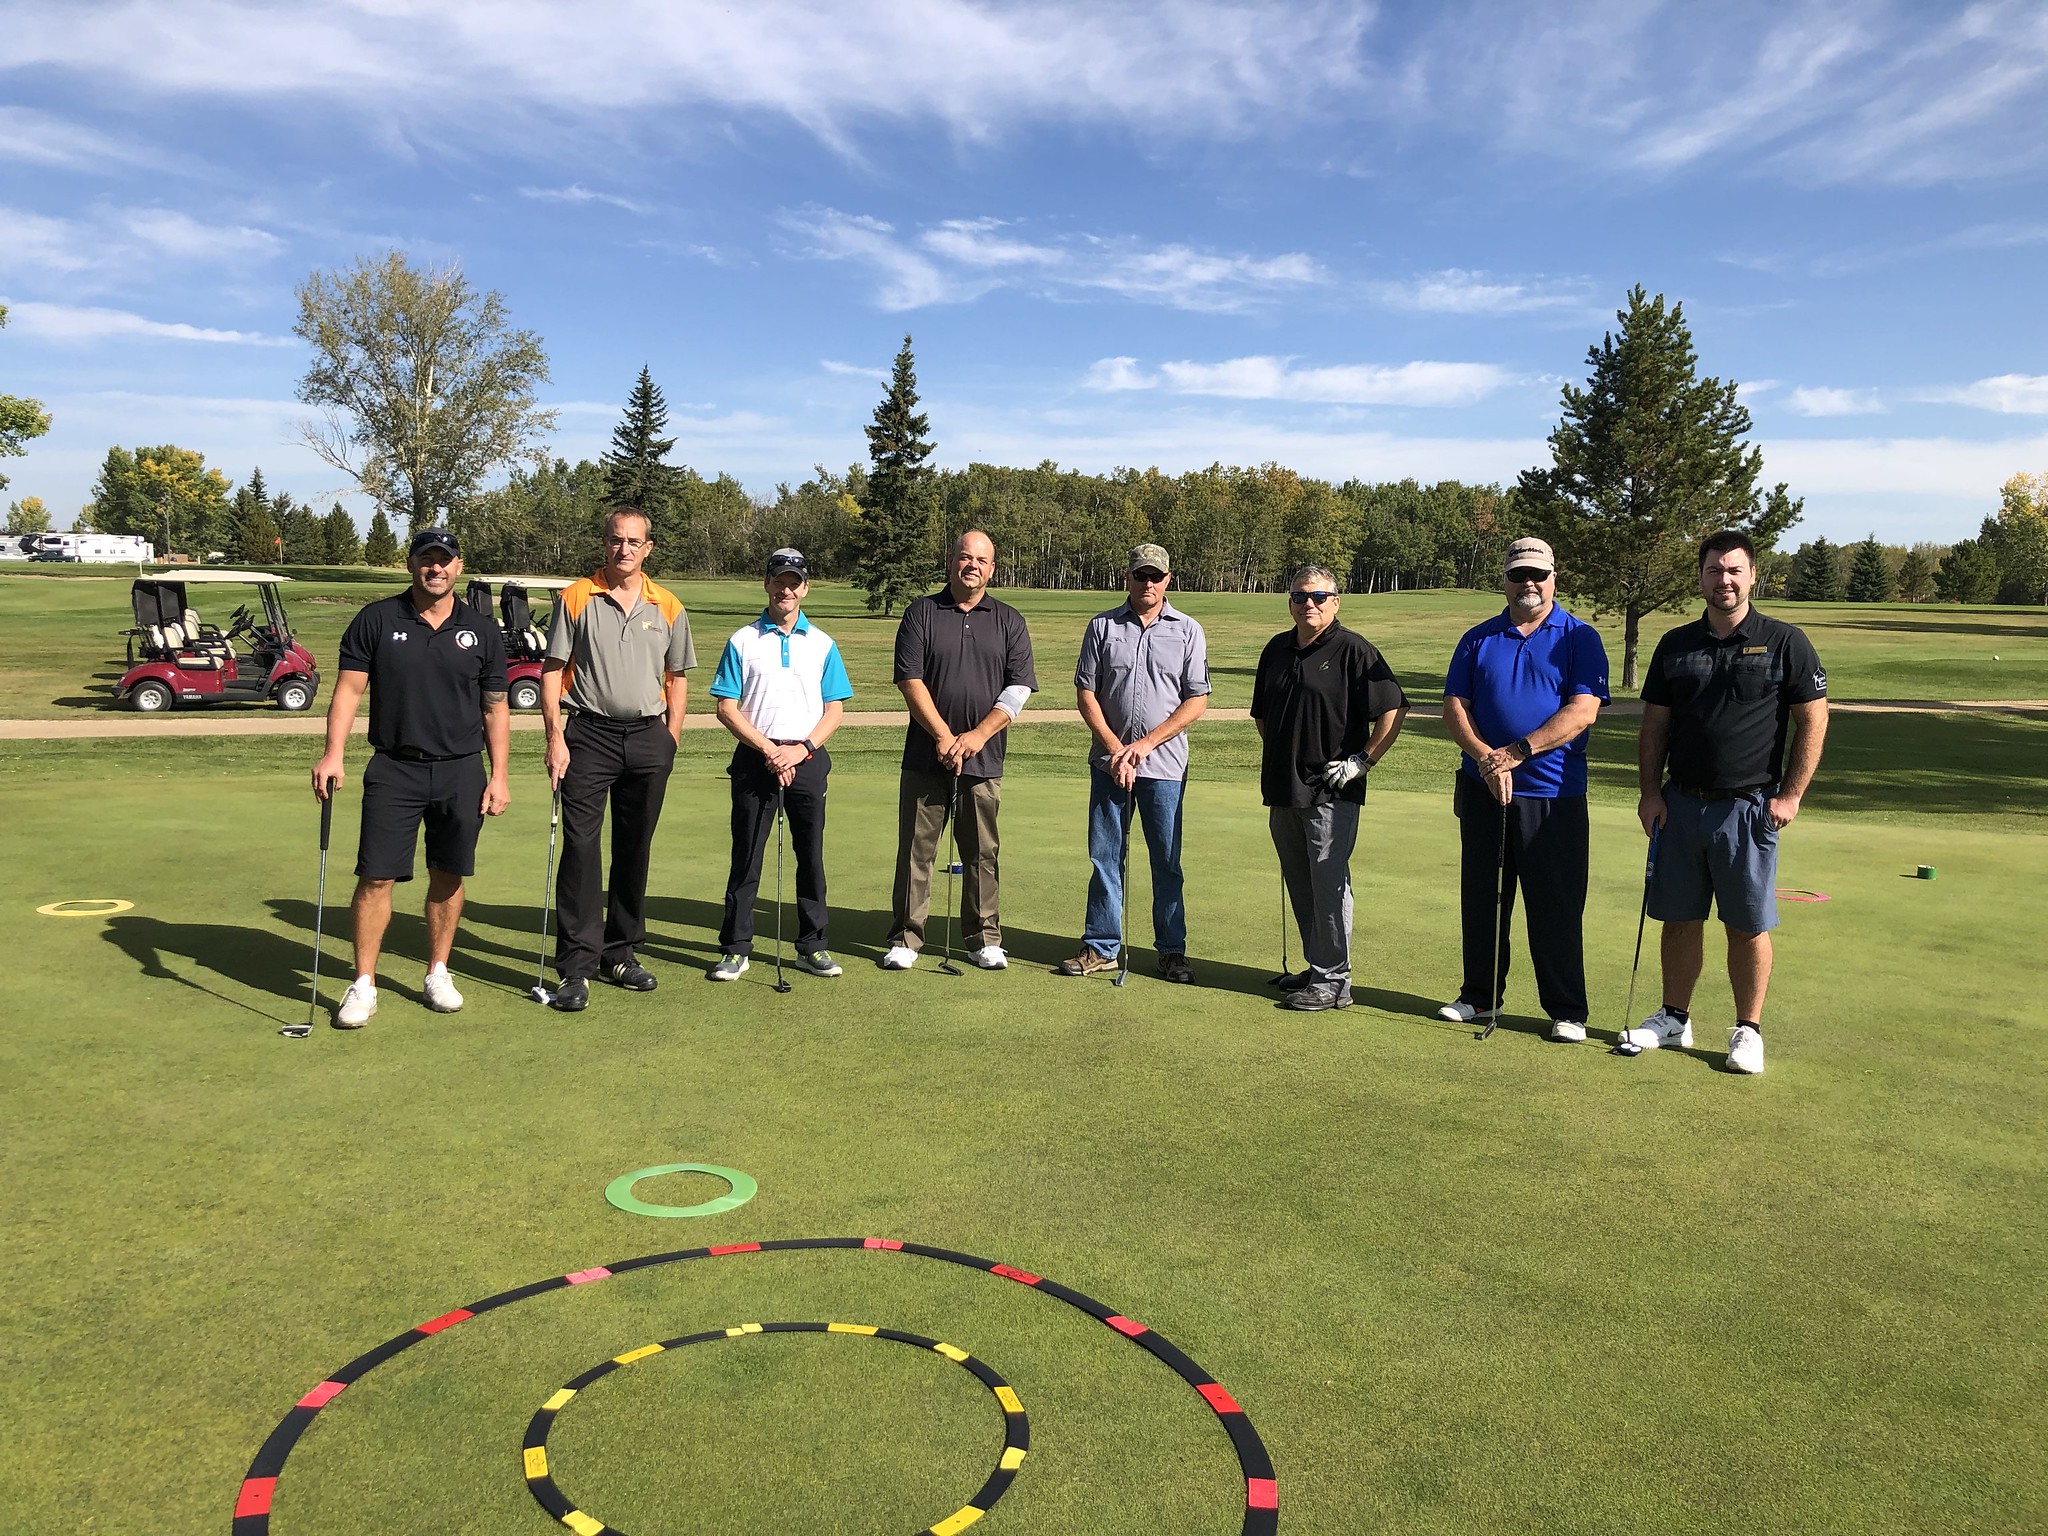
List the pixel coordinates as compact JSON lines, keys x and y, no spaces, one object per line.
{"x":637,"y":723}
{"x":415,"y":755}
{"x":1711,"y":795}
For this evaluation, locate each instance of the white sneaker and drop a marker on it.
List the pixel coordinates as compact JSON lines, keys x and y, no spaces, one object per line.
{"x":990,"y":958}
{"x":1566,"y":1031}
{"x":1459,"y":1012}
{"x":901,"y":957}
{"x":1745,"y":1050}
{"x":441,"y":994}
{"x":1660,"y":1028}
{"x":730,"y":967}
{"x":357,"y":1004}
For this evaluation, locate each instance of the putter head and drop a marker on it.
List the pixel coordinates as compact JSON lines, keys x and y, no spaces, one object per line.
{"x":782,"y":986}
{"x":540,"y":994}
{"x":948,"y":968}
{"x":1626,"y":1048}
{"x":296,"y":1031}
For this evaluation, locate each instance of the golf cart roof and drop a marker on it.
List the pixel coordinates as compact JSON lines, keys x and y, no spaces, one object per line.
{"x":531,"y":583}
{"x":203,"y":575}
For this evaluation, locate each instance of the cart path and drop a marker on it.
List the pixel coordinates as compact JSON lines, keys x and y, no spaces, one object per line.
{"x":245,"y":722}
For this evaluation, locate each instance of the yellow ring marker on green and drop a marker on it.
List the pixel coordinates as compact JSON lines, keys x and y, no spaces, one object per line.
{"x":620,"y":1191}
{"x":98,"y":906}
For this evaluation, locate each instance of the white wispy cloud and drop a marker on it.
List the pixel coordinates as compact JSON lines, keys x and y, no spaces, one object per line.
{"x":2010,"y":394}
{"x":1277,"y":378}
{"x":30,"y":137}
{"x":67,"y":323}
{"x":1456,"y":291}
{"x":111,"y":241}
{"x":853,"y":370}
{"x":958,"y":260}
{"x":576,"y":192}
{"x":1822,"y":400}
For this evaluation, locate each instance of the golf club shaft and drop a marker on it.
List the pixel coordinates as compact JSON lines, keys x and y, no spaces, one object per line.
{"x":1123,"y":887}
{"x":780,"y":984}
{"x":1628,"y":1011}
{"x":547,"y":890}
{"x":952,"y":890}
{"x":1500,"y":906}
{"x":320,"y":906}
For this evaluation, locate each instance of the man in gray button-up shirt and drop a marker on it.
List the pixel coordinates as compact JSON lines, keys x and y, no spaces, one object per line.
{"x":1142,"y":680}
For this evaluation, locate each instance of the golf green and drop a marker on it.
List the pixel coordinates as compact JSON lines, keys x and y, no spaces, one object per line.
{"x":1459,"y":1287}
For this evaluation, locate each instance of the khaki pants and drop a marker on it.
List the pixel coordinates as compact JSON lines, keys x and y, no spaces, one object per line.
{"x":920,"y":818}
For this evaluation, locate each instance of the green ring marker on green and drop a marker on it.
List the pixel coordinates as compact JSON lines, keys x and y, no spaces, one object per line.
{"x":620,"y":1191}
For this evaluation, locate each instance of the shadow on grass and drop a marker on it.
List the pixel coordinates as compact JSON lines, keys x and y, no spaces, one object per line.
{"x":249,"y":957}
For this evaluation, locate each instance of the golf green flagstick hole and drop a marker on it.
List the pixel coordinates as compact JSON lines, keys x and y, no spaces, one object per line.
{"x":86,"y":906}
{"x":1261,"y":1487}
{"x":540,"y":1481}
{"x":620,"y":1191}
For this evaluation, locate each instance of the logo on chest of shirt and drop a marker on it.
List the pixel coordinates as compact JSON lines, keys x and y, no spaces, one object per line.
{"x":466,"y":638}
{"x":400,"y":635}
{"x":647,"y":624}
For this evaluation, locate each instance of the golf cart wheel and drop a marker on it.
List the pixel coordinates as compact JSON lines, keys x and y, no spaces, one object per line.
{"x":294,"y":694}
{"x":526,"y":694}
{"x":149,"y":698}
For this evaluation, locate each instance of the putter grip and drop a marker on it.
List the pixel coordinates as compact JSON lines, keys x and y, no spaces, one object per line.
{"x":326,"y":818}
{"x":1650,"y":861}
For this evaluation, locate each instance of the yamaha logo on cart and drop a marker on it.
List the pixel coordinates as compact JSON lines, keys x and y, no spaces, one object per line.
{"x":466,"y":638}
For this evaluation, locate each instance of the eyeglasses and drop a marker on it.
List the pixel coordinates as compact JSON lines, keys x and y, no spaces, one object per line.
{"x":614,"y":542}
{"x":1525,"y":575}
{"x":1147,"y":576}
{"x":1318,"y":598}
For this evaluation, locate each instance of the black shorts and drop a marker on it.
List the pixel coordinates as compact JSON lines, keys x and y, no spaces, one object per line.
{"x":398,"y":794}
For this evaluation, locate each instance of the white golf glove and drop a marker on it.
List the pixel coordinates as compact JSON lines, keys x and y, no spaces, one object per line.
{"x":1341,"y":772}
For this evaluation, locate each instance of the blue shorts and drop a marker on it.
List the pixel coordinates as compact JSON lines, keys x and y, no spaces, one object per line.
{"x":1718,"y":852}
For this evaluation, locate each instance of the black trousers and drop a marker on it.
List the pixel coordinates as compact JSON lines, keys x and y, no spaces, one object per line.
{"x":753,"y":821}
{"x":1547,"y":858}
{"x":626,"y":763}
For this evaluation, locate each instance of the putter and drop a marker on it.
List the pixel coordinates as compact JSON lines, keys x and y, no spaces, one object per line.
{"x":1123,"y":906}
{"x":300,"y":1031}
{"x":1286,"y":966}
{"x":539,"y":990}
{"x":781,"y":981}
{"x":1500,"y":903}
{"x":946,"y":965}
{"x":1623,"y":1046}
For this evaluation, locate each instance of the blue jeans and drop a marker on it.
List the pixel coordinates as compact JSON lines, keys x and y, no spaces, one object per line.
{"x":1109,"y":811}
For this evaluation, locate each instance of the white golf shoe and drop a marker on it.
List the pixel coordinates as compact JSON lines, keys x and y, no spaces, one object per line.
{"x":358,"y":1003}
{"x":1458,"y":1012}
{"x":990,"y":957}
{"x":1745,"y":1050}
{"x":1660,"y":1029}
{"x":441,"y":994}
{"x":901,"y":957}
{"x":1565,"y":1031}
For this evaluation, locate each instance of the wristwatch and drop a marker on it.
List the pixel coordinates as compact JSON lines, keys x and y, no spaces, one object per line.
{"x":810,"y":747}
{"x":1521,"y":745}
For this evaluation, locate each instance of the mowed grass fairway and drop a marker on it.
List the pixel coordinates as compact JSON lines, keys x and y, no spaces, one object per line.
{"x":1458,"y":1287}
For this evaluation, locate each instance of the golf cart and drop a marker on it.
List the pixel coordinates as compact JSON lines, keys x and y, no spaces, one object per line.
{"x":526,"y":632}
{"x":175,"y":657}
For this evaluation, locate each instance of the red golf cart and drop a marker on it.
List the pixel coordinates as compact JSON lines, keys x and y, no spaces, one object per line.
{"x":526,"y":632}
{"x":175,"y":657}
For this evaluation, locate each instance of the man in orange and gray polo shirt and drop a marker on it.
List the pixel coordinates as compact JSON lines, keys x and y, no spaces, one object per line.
{"x":618,"y":654}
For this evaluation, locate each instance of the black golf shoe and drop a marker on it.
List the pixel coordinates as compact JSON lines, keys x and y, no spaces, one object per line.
{"x":1317,"y":996}
{"x":631,"y":975}
{"x":572,"y":996}
{"x":1291,"y":981}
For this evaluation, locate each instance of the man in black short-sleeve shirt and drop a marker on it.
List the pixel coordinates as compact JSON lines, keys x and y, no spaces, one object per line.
{"x":434,"y":668}
{"x":1723,"y":697}
{"x":963,"y":663}
{"x":1328,"y":708}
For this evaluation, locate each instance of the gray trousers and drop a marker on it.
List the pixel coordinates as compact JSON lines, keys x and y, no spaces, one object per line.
{"x":1314,"y":843}
{"x":921,"y":809}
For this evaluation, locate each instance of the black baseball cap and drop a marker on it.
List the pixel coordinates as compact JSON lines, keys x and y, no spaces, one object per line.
{"x":434,"y":538}
{"x":789,"y":560}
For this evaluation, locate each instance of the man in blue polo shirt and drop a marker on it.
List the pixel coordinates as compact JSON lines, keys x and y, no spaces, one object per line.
{"x":1520,"y":700}
{"x":781,"y":689}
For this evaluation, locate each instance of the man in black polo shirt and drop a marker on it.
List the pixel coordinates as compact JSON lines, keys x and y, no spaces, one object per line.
{"x":1328,"y":708}
{"x":963,"y":663}
{"x":1718,"y":699}
{"x":435,"y":670}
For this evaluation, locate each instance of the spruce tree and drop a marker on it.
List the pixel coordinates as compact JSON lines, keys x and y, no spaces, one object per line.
{"x":1870,"y":579}
{"x":381,"y":547}
{"x":1816,"y":573}
{"x":1916,"y":576}
{"x":635,"y":474}
{"x":254,"y":527}
{"x":338,"y":533}
{"x":1647,"y":460}
{"x":900,"y":502}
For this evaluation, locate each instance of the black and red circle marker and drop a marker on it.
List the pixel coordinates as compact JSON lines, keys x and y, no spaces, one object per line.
{"x":1261,"y":1497}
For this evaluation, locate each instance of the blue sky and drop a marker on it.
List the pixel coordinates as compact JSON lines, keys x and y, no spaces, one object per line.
{"x":1360,"y":240}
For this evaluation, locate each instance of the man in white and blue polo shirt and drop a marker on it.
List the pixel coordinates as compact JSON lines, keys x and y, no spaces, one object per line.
{"x":1520,"y":700}
{"x":781,"y":689}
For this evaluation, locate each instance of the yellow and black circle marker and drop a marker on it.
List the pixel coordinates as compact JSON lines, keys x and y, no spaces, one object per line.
{"x":1016,"y":1426}
{"x":86,"y":906}
{"x":1261,"y":1487}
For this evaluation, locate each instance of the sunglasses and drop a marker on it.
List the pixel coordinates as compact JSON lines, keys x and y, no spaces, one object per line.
{"x":1525,"y":574}
{"x":1317,"y":598}
{"x":1147,"y":576}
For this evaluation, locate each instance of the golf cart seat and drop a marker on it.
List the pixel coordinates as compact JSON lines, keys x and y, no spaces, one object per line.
{"x":515,"y":613}
{"x":202,"y":636}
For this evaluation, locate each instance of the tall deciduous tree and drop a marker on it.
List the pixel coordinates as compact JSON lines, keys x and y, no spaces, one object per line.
{"x":635,"y":468}
{"x":1870,"y":578}
{"x":900,"y":502}
{"x":163,"y":493}
{"x":380,"y":546}
{"x":425,"y":386}
{"x":28,"y":515}
{"x":1647,"y":460}
{"x":20,"y":420}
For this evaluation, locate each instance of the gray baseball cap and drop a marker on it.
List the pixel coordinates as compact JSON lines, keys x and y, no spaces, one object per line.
{"x":789,"y":560}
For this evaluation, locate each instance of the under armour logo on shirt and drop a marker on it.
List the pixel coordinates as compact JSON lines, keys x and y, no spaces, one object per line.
{"x":399,"y":634}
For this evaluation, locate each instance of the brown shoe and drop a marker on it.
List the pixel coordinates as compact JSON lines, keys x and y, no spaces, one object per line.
{"x":1176,"y":968}
{"x":1087,"y":963}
